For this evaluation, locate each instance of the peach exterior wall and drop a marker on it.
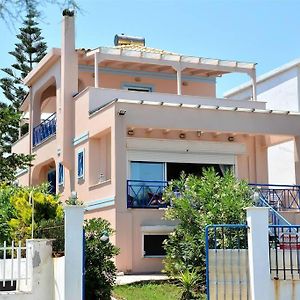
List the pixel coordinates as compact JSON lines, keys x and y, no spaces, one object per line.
{"x":128,"y":222}
{"x":115,"y":81}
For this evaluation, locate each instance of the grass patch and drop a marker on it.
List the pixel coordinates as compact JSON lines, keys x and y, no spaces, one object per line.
{"x":147,"y":291}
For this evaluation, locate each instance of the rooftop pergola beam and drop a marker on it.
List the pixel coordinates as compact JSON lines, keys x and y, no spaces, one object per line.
{"x":174,"y":61}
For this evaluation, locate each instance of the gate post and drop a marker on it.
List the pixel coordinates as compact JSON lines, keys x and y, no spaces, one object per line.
{"x":258,"y":253}
{"x":74,"y":215}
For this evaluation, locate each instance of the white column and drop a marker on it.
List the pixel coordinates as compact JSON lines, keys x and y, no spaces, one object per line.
{"x":96,"y":62}
{"x":297,"y":159}
{"x":254,"y":92}
{"x":73,"y":251}
{"x":258,"y":253}
{"x":179,"y":81}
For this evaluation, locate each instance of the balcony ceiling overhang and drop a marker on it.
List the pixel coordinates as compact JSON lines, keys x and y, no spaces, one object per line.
{"x":167,"y":62}
{"x":149,"y":114}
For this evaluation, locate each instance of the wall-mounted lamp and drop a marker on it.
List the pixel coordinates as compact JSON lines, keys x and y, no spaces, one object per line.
{"x":105,"y":236}
{"x":122,"y":112}
{"x":199,"y":133}
{"x":230,"y":139}
{"x":130,"y":132}
{"x":182,"y":135}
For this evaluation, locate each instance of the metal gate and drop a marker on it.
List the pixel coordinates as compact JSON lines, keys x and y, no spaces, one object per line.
{"x":227,"y":274}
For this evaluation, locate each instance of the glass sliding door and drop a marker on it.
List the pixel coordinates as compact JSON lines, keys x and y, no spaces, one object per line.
{"x":146,"y":184}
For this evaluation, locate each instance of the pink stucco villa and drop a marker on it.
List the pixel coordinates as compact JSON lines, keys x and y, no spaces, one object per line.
{"x":115,"y":124}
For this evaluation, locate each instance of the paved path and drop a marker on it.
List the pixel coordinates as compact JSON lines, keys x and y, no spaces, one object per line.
{"x":126,"y":279}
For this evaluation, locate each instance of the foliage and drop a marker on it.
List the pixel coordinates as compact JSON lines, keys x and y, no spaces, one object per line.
{"x":10,"y":162}
{"x":197,"y":202}
{"x":154,"y":290}
{"x":53,"y":229}
{"x":188,"y":281}
{"x":7,"y":211}
{"x":12,"y":10}
{"x":29,"y":50}
{"x":16,"y":210}
{"x":100,"y":270}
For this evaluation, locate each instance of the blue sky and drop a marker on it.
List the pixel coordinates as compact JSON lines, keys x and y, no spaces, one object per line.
{"x":265,"y":31}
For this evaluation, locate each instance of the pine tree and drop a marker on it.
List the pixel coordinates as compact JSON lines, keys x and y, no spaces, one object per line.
{"x":30,"y":49}
{"x":10,"y":162}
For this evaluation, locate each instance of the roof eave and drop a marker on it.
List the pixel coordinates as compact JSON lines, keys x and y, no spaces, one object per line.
{"x":286,"y":67}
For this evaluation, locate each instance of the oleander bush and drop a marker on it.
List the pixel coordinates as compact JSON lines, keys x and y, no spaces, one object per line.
{"x":197,"y":202}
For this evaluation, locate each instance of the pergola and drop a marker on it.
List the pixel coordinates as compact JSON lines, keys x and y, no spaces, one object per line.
{"x":168,"y":62}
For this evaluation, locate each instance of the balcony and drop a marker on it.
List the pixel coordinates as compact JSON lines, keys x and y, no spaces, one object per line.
{"x":280,"y":197}
{"x":44,"y":130}
{"x":145,"y":194}
{"x":98,"y":97}
{"x":149,"y":194}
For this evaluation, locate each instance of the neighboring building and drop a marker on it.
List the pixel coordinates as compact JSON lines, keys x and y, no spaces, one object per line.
{"x":126,"y":119}
{"x":280,"y":88}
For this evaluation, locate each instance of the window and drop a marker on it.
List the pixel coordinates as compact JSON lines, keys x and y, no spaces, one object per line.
{"x":51,"y":177}
{"x":80,"y":164}
{"x":153,"y":245}
{"x":146,"y":171}
{"x":61,"y":175}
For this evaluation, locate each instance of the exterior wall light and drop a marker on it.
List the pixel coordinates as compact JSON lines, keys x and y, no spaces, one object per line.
{"x":122,"y":112}
{"x":105,"y":236}
{"x":182,"y":135}
{"x":130,"y":132}
{"x":199,"y":133}
{"x":230,"y":139}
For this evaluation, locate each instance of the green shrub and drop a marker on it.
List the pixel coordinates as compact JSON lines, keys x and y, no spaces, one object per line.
{"x":100,"y":270}
{"x":16,"y":210}
{"x":198,"y":202}
{"x":7,"y":211}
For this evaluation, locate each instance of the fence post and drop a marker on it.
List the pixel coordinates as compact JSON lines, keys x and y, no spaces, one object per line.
{"x":73,"y":251}
{"x":258,"y":252}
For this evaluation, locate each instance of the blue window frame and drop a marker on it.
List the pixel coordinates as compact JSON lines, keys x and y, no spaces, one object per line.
{"x":80,"y":164}
{"x":61,"y":174}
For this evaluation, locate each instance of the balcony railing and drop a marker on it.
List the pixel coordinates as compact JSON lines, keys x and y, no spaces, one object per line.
{"x":148,"y":194}
{"x":44,"y":130}
{"x":280,"y":197}
{"x":145,"y":194}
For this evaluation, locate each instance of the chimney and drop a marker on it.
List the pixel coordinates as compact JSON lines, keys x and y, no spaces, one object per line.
{"x":68,"y":87}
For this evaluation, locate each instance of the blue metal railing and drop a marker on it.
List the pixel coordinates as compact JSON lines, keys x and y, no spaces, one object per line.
{"x":275,"y":218}
{"x":148,"y":194}
{"x":44,"y":130}
{"x":145,"y":194}
{"x":284,"y":251}
{"x":230,"y":238}
{"x":279,"y":196}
